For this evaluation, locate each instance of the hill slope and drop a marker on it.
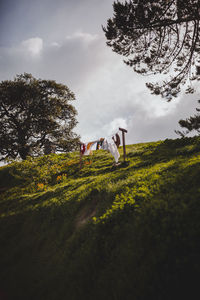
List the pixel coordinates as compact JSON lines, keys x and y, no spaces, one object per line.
{"x":103,"y":232}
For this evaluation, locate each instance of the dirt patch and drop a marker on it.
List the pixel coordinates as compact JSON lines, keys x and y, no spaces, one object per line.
{"x":3,"y":189}
{"x":86,"y":213}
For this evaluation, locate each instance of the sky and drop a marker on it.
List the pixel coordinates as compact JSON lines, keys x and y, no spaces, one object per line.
{"x":63,"y":40}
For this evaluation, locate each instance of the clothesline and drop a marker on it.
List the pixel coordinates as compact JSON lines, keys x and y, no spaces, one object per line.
{"x":106,"y":137}
{"x":109,"y":143}
{"x":104,"y":144}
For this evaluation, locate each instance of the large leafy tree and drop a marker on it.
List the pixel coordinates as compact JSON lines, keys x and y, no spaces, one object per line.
{"x":158,"y":36}
{"x":34,"y":113}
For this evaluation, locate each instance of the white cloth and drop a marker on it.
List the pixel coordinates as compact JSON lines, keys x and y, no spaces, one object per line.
{"x":112,"y":148}
{"x":105,"y":145}
{"x":89,"y":147}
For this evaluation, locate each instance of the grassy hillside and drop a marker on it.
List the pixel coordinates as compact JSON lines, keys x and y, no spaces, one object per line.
{"x":103,"y":232}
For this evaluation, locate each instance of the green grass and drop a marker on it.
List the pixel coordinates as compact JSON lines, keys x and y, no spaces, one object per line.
{"x":103,"y":232}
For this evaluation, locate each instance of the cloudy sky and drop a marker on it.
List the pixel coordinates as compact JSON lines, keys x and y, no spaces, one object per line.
{"x":63,"y":40}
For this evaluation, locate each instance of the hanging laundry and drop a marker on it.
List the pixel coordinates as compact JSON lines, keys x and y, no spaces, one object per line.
{"x":82,"y":149}
{"x":112,"y":148}
{"x":116,"y":139}
{"x":105,"y":145}
{"x":86,"y":149}
{"x":108,"y":145}
{"x":99,"y":144}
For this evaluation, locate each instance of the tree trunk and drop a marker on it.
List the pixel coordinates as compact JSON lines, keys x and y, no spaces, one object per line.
{"x":23,"y":152}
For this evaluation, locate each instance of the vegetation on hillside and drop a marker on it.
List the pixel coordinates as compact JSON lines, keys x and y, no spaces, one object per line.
{"x":103,"y":232}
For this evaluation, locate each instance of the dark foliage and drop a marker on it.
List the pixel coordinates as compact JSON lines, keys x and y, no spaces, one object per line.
{"x":36,"y":117}
{"x":190,"y":124}
{"x":158,"y":37}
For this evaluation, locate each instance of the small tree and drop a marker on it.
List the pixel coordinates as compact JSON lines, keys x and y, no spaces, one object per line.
{"x":34,"y":112}
{"x":161,"y":36}
{"x":190,"y":124}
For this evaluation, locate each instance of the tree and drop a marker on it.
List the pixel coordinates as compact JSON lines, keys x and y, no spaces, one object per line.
{"x":190,"y":124}
{"x":33,"y":113}
{"x":157,"y":37}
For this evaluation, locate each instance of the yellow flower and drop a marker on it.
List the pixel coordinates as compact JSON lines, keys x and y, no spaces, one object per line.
{"x":40,"y":186}
{"x":59,"y":178}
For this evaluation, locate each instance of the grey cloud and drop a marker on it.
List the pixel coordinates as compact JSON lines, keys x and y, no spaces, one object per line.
{"x":73,"y":51}
{"x":74,"y":60}
{"x":144,"y":128}
{"x":108,"y":93}
{"x":70,"y":62}
{"x":49,"y":19}
{"x":142,"y":124}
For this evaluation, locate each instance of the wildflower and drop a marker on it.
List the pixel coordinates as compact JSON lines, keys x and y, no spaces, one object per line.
{"x":59,"y":178}
{"x":40,"y":186}
{"x":88,"y":162}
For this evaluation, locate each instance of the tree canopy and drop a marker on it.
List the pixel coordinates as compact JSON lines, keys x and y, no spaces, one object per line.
{"x":190,"y":124}
{"x":157,"y":37}
{"x":35,"y":113}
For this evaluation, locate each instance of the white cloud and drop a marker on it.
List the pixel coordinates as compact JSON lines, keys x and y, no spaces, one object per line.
{"x":33,"y":45}
{"x":84,"y":36}
{"x":113,"y":126}
{"x":55,"y":44}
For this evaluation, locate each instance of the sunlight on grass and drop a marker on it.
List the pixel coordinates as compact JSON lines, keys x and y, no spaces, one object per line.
{"x":128,"y":222}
